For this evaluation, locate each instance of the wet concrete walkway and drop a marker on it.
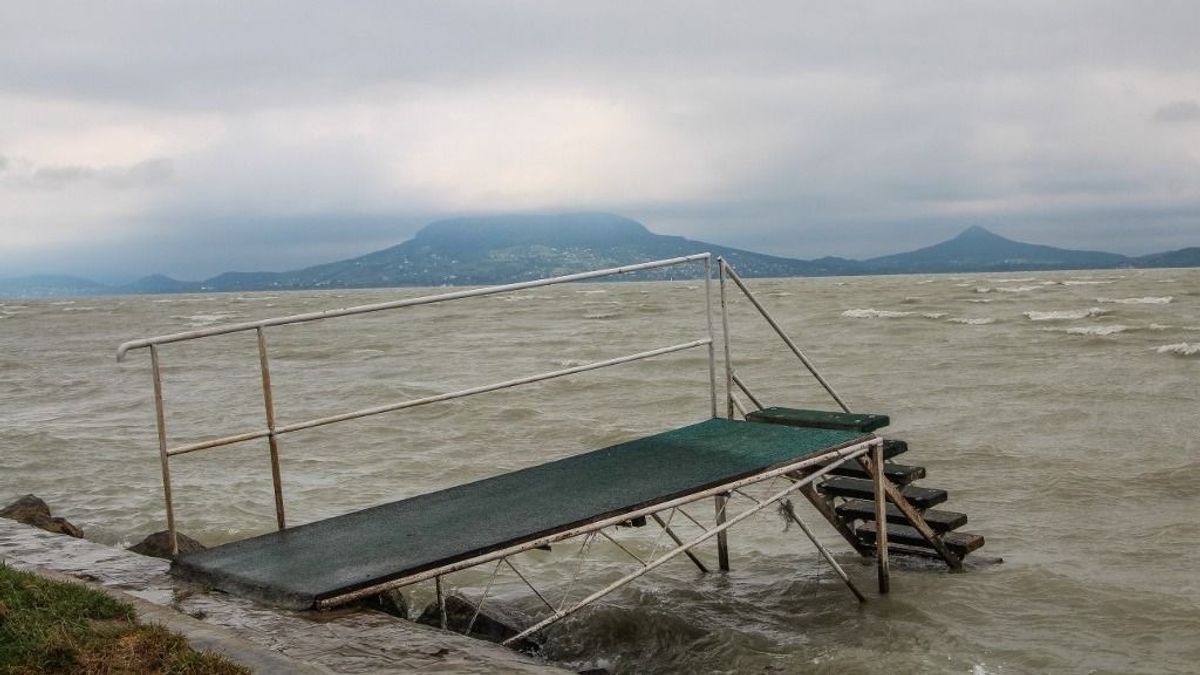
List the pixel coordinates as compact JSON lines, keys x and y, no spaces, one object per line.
{"x":348,"y":641}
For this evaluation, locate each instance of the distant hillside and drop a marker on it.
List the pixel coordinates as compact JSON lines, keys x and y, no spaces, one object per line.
{"x":978,"y":250}
{"x":509,"y":248}
{"x":41,"y":285}
{"x":1184,"y":257}
{"x":504,"y":249}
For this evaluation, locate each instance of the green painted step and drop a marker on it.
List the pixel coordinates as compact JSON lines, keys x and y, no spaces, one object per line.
{"x":857,"y":488}
{"x":939,"y":521}
{"x":900,"y":474}
{"x":959,"y":543}
{"x":819,"y":419}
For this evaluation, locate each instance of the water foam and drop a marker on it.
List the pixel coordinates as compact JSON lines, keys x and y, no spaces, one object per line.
{"x":983,"y":321}
{"x":874,"y":314}
{"x":1010,"y":289}
{"x":1111,"y":329}
{"x":1180,"y":349}
{"x":1066,"y":315}
{"x":1149,"y":300}
{"x":203,"y":319}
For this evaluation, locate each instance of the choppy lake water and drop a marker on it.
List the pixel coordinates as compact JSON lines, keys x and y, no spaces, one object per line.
{"x":1057,"y":408}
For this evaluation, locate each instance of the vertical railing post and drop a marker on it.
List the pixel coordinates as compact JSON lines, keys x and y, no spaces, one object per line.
{"x":708,"y":315}
{"x":722,"y":500}
{"x":272,"y":439}
{"x":725,"y":328}
{"x":160,"y":418}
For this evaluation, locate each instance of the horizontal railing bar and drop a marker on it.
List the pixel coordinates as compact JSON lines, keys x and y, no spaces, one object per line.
{"x":395,"y":304}
{"x":779,"y":330}
{"x":835,"y":456}
{"x":489,"y":387}
{"x":309,"y":424}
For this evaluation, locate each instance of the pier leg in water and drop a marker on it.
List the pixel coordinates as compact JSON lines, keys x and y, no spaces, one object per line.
{"x":441,"y":601}
{"x":722,"y":538}
{"x":881,"y":545}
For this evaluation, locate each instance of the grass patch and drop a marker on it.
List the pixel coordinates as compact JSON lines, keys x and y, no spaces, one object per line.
{"x":63,"y":627}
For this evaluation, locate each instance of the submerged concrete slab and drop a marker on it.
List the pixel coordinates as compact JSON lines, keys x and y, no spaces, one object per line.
{"x":299,"y":566}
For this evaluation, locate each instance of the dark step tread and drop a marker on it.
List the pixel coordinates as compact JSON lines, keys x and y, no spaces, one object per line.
{"x":900,"y":474}
{"x":857,"y":488}
{"x":959,"y":543}
{"x":939,"y":521}
{"x":819,"y":419}
{"x":892,"y":448}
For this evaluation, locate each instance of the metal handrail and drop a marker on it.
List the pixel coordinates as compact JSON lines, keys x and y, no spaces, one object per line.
{"x":726,"y":269}
{"x":395,"y":304}
{"x":273,"y":431}
{"x":437,"y":398}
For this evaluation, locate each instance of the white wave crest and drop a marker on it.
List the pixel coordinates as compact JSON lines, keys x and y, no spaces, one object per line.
{"x":1067,"y":315}
{"x":874,"y":314}
{"x":1180,"y":349}
{"x":1137,"y":301}
{"x":983,"y":321}
{"x":203,"y":319}
{"x":933,"y":315}
{"x":1022,"y":280}
{"x":1019,"y":289}
{"x":1086,"y":282}
{"x":1111,"y":329}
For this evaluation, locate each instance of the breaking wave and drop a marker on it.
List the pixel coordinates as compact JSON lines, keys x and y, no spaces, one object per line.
{"x":1111,"y":329}
{"x":874,"y":314}
{"x":1137,"y":301}
{"x":1180,"y":349}
{"x":203,"y":319}
{"x":1008,"y":289}
{"x":983,"y":321}
{"x":1067,"y":315}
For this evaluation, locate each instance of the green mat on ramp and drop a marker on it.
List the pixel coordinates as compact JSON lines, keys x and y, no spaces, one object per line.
{"x":299,"y":566}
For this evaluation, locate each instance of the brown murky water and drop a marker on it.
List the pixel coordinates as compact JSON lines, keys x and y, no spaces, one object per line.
{"x":1057,"y":409}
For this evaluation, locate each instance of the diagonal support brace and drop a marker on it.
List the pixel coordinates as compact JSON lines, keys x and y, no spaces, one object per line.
{"x":679,"y":550}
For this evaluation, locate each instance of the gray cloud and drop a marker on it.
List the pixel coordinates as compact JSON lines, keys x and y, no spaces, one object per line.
{"x":1178,"y":111}
{"x":147,"y":173}
{"x":796,"y":128}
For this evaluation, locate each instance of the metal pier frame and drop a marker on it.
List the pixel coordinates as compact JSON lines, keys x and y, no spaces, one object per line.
{"x":799,"y":475}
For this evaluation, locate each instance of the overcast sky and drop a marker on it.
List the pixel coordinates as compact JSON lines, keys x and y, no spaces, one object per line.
{"x":196,"y":137}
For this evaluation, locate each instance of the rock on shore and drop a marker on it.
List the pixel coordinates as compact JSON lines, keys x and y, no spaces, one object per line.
{"x":31,"y":510}
{"x":158,"y":545}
